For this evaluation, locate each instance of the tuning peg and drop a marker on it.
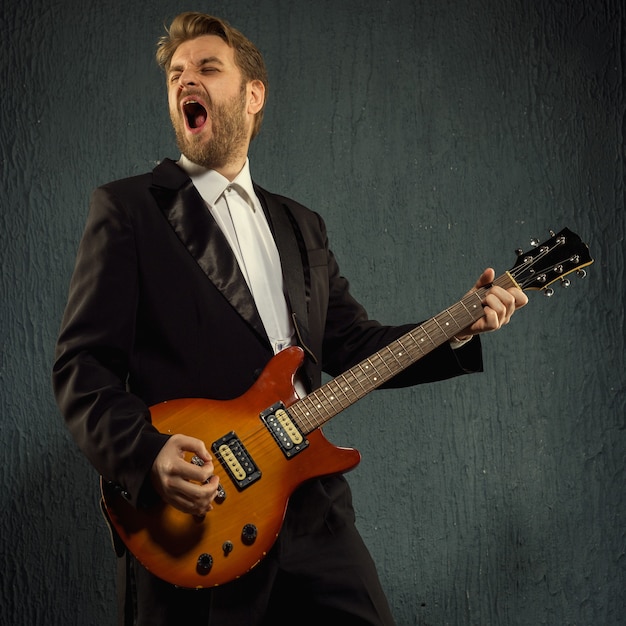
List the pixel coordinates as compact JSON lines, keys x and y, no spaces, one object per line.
{"x":552,"y":233}
{"x":581,"y":273}
{"x":534,"y":242}
{"x":519,"y":252}
{"x":549,"y":292}
{"x":565,"y":282}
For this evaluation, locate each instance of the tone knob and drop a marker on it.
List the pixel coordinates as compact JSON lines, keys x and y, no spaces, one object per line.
{"x":205,"y":563}
{"x":249,"y":534}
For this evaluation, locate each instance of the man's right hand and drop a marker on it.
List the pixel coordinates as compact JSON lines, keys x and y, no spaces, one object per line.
{"x":188,"y":487}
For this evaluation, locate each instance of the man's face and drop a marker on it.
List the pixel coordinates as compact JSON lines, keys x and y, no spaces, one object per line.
{"x":209,"y":103}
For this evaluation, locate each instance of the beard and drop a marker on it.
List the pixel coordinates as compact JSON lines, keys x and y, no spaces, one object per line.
{"x":229,"y":135}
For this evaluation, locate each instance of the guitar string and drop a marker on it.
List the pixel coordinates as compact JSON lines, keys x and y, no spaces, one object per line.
{"x":432,"y":325}
{"x":530,"y":260}
{"x":315,"y":409}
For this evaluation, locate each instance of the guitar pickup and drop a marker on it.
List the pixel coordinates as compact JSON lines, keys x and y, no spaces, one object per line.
{"x":284,"y":430}
{"x":235,"y":459}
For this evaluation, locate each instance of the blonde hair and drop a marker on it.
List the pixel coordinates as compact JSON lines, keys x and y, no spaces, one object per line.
{"x":191,"y":25}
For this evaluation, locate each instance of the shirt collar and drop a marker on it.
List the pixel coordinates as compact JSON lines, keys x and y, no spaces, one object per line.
{"x":211,"y":184}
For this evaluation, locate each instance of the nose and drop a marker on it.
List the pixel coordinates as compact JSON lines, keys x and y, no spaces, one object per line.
{"x":187,"y":78}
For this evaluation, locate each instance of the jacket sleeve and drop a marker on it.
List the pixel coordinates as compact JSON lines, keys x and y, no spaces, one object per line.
{"x":350,"y":336}
{"x":110,"y":425}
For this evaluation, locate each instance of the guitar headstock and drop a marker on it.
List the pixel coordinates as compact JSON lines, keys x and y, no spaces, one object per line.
{"x":551,"y":261}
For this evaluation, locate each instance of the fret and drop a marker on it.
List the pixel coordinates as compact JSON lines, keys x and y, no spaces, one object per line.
{"x":326,"y":400}
{"x":392,"y":360}
{"x":311,"y":411}
{"x":475,"y":310}
{"x":300,"y":414}
{"x":334,"y":396}
{"x":506,"y":281}
{"x":423,"y":327}
{"x":318,"y":405}
{"x":364,"y":367}
{"x":417,"y":344}
{"x":467,"y":310}
{"x":439,"y":327}
{"x":379,"y":357}
{"x":463,"y":316}
{"x":350,"y":393}
{"x":339,"y":392}
{"x":349,"y":379}
{"x":400,"y":356}
{"x":450,"y":331}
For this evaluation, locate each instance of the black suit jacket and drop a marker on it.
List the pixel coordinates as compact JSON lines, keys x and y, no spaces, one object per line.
{"x":158,"y":309}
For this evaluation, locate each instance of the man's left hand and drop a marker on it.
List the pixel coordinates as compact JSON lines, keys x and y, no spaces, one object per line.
{"x":498,"y":306}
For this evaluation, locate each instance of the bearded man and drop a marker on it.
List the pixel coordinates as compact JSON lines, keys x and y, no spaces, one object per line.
{"x":188,"y":280}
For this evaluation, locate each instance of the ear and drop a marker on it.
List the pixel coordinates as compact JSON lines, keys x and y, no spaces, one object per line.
{"x":256,"y":96}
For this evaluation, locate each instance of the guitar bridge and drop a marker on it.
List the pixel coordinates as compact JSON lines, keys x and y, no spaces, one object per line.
{"x":284,"y":430}
{"x":236,"y":461}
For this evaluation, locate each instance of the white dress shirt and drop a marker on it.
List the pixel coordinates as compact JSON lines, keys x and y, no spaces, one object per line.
{"x":239,"y":214}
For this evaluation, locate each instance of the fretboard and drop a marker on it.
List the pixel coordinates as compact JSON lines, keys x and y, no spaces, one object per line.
{"x":338,"y":394}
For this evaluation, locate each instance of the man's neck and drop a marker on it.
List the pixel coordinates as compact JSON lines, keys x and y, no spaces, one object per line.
{"x":232,"y":168}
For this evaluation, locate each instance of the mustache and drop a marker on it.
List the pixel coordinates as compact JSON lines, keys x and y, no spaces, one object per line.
{"x":203,"y":98}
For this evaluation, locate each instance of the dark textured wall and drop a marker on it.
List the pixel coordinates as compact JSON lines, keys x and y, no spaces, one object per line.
{"x":435,"y":136}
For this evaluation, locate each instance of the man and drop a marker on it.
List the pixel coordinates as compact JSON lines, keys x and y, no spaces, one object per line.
{"x":188,"y":279}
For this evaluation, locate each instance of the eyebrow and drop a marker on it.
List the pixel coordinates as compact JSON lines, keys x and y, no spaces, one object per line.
{"x":206,"y":61}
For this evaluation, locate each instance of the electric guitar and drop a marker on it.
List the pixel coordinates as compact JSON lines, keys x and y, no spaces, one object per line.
{"x":267,"y":442}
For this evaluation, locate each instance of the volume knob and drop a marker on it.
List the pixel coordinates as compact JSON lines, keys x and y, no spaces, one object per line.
{"x":204,"y":564}
{"x":249,"y":534}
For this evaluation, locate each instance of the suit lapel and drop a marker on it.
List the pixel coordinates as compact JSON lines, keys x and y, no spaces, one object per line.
{"x":292,"y":252}
{"x":194,"y":225}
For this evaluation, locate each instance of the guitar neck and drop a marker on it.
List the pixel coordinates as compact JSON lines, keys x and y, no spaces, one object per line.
{"x":338,"y":394}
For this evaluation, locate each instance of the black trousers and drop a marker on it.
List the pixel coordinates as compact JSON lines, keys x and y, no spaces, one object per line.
{"x":318,"y":570}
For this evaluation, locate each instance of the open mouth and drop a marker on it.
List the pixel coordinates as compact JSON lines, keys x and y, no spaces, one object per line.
{"x":195,"y":114}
